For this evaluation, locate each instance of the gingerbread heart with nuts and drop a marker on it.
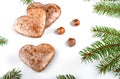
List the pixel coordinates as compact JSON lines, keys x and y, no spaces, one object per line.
{"x":37,"y":57}
{"x":53,"y":11}
{"x":33,"y":24}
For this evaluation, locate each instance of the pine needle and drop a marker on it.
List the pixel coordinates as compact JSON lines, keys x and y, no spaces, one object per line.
{"x":3,"y":40}
{"x":13,"y":74}
{"x":66,"y":77}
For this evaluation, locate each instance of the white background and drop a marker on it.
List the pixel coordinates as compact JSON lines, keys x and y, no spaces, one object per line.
{"x":67,"y":59}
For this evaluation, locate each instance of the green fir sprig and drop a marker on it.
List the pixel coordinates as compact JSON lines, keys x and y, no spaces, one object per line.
{"x":107,"y":7}
{"x":109,"y":0}
{"x":16,"y":74}
{"x":26,"y":1}
{"x":105,"y":32}
{"x":68,"y":76}
{"x":3,"y":40}
{"x":106,"y":50}
{"x":117,"y":72}
{"x":13,"y":74}
{"x":110,"y":63}
{"x":103,"y":0}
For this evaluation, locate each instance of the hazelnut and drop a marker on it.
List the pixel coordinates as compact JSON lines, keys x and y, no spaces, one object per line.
{"x":75,"y":22}
{"x":71,"y":42}
{"x":60,"y":30}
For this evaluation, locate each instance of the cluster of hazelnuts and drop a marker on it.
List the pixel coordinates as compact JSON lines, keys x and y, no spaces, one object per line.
{"x":60,"y":31}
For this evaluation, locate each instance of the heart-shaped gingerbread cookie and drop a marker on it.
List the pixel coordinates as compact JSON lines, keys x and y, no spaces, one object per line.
{"x":53,"y":11}
{"x":33,"y":24}
{"x":37,"y":57}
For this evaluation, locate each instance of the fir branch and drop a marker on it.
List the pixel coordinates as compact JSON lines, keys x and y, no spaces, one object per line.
{"x":99,"y":50}
{"x":118,"y":69}
{"x":66,"y":77}
{"x":103,"y":0}
{"x":3,"y":40}
{"x":109,"y":0}
{"x":108,"y":8}
{"x":107,"y":50}
{"x":26,"y":1}
{"x":117,"y":72}
{"x":105,"y":32}
{"x":110,"y":63}
{"x":13,"y":74}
